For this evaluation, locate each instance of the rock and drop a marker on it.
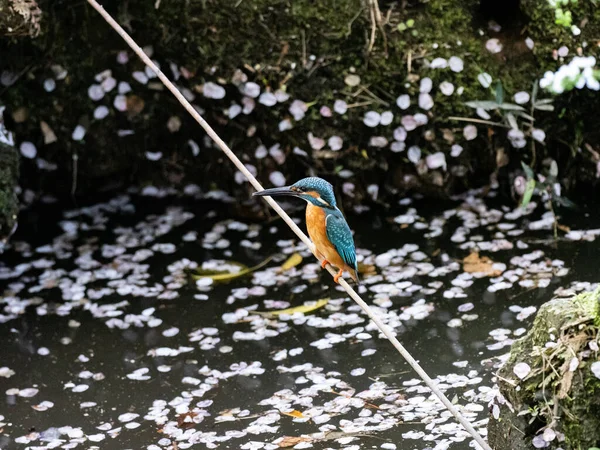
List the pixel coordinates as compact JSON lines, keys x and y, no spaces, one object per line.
{"x":560,"y":395}
{"x":9,"y":173}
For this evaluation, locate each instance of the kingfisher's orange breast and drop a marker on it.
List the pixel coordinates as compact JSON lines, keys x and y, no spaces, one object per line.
{"x":315,"y":224}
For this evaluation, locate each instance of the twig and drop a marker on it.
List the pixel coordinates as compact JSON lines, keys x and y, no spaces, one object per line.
{"x":387,"y":332}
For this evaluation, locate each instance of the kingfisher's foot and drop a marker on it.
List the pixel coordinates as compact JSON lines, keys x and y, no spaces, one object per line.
{"x":324,"y":263}
{"x":338,"y":275}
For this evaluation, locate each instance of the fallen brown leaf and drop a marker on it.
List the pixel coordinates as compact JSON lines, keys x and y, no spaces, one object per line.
{"x":481,"y":265}
{"x":290,"y":441}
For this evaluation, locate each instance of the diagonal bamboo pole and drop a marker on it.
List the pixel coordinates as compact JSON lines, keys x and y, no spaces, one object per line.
{"x":387,"y":332}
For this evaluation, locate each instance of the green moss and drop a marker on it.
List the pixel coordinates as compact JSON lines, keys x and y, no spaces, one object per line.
{"x":570,"y":324}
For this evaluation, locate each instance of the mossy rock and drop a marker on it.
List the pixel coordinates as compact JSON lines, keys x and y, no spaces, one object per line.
{"x":9,"y":206}
{"x":558,"y":392}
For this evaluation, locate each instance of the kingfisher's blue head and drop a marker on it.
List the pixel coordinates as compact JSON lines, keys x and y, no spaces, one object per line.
{"x":312,"y":189}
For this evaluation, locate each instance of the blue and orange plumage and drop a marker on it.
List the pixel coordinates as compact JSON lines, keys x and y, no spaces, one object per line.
{"x":325,"y":223}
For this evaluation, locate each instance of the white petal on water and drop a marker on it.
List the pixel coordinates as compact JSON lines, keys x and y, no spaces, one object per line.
{"x":414,"y":154}
{"x":340,"y":106}
{"x":234,"y":111}
{"x":5,"y":372}
{"x":446,"y":88}
{"x":456,"y":64}
{"x":140,"y":77}
{"x":436,"y":161}
{"x":470,"y":132}
{"x":213,"y":90}
{"x":372,"y":119}
{"x":335,"y":143}
{"x":397,"y":146}
{"x":154,"y":156}
{"x":549,"y":434}
{"x":43,"y":351}
{"x":95,"y":92}
{"x":357,"y":372}
{"x":521,"y":370}
{"x":120,"y":103}
{"x":352,"y":80}
{"x":251,"y":89}
{"x":28,"y":392}
{"x":281,"y":96}
{"x":425,"y":101}
{"x":456,"y":150}
{"x":248,"y":105}
{"x":194,"y":146}
{"x":325,"y":111}
{"x":563,"y":51}
{"x":78,"y":133}
{"x":285,"y":124}
{"x":421,"y":119}
{"x":409,"y":123}
{"x":28,"y":150}
{"x":124,"y":87}
{"x":386,"y":118}
{"x":108,"y":84}
{"x":49,"y":85}
{"x":425,"y":85}
{"x":122,"y":57}
{"x":403,"y":101}
{"x":267,"y":99}
{"x":485,"y":79}
{"x":101,"y":112}
{"x":400,"y":134}
{"x":128,"y":417}
{"x":573,"y":364}
{"x":378,"y":141}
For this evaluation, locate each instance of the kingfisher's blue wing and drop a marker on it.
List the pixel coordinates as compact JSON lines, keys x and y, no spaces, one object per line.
{"x":339,"y":234}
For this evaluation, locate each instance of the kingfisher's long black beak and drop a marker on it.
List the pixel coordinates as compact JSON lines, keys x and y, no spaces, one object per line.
{"x":277,"y":192}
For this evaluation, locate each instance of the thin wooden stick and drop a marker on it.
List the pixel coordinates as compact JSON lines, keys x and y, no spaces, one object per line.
{"x":387,"y":332}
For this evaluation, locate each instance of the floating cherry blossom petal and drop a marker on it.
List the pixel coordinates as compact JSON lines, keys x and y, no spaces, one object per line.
{"x":378,"y":141}
{"x":122,"y":57}
{"x":436,"y":161}
{"x":49,"y":85}
{"x":78,"y":133}
{"x":493,"y":46}
{"x":400,"y":134}
{"x":154,"y":156}
{"x":234,"y":111}
{"x":456,"y":150}
{"x":251,"y":89}
{"x":414,"y":154}
{"x":325,"y":111}
{"x":95,"y":92}
{"x":409,"y":123}
{"x":101,"y":112}
{"x":120,"y":103}
{"x":595,"y":368}
{"x":397,"y":146}
{"x":277,"y":178}
{"x":140,"y":77}
{"x":213,"y":90}
{"x":538,"y":135}
{"x":267,"y":99}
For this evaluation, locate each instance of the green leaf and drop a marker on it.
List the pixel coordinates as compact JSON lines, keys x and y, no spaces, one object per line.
{"x":483,"y":104}
{"x":564,"y":201}
{"x":544,"y":107}
{"x":534,"y":92}
{"x":499,"y":92}
{"x":512,"y":121}
{"x":229,"y":276}
{"x":529,"y":188}
{"x":511,"y":107}
{"x":527,"y":170}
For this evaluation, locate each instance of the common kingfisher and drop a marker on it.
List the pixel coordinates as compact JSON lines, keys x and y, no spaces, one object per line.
{"x":325,"y":223}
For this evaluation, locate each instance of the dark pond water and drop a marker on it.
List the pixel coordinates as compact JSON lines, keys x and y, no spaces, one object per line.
{"x":107,"y":342}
